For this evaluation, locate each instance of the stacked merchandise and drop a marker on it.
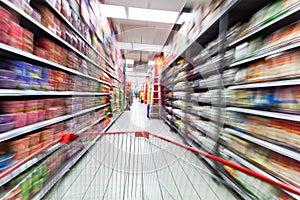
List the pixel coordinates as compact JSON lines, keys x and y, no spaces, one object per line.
{"x":268,"y":129}
{"x":116,"y":100}
{"x":58,"y":68}
{"x":245,"y":82}
{"x":129,"y":95}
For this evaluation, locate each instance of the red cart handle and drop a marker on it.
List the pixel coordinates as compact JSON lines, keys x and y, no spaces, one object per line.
{"x":278,"y":183}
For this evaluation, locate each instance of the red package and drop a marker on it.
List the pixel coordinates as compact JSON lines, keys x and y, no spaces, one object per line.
{"x":40,"y":52}
{"x":12,"y":106}
{"x":47,"y":135}
{"x":27,"y":35}
{"x":27,"y":47}
{"x":34,"y":139}
{"x":51,"y":113}
{"x":22,"y":154}
{"x":35,"y":148}
{"x":4,"y":37}
{"x":41,"y":115}
{"x":40,"y":104}
{"x":19,"y":145}
{"x":20,"y":120}
{"x":4,"y":14}
{"x":16,"y":31}
{"x":30,"y":105}
{"x":32,"y":117}
{"x":45,"y":44}
{"x":14,"y":42}
{"x":4,"y":26}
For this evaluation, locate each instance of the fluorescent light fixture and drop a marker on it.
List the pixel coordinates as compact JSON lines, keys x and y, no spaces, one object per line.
{"x":129,"y":69}
{"x":113,"y":11}
{"x":151,"y":62}
{"x":139,"y":47}
{"x":142,"y":14}
{"x":152,"y":15}
{"x":129,"y":61}
{"x":184,"y":17}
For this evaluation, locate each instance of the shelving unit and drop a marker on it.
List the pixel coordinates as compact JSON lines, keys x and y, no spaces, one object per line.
{"x":29,"y":164}
{"x":6,"y":49}
{"x":63,"y":171}
{"x":274,"y":147}
{"x":92,"y":103}
{"x":33,"y":24}
{"x":29,"y":128}
{"x":10,"y":92}
{"x":277,"y":115}
{"x":199,"y":54}
{"x":68,"y":166}
{"x":289,"y":46}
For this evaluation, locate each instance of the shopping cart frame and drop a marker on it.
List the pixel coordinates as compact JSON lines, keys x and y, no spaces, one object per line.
{"x":145,"y":134}
{"x":70,"y":137}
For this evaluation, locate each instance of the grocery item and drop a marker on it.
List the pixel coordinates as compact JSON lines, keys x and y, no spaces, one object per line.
{"x":6,"y":159}
{"x":20,"y":119}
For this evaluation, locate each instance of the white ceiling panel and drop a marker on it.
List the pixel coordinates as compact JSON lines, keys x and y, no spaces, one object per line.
{"x":145,"y":32}
{"x":170,"y":5}
{"x":145,"y":35}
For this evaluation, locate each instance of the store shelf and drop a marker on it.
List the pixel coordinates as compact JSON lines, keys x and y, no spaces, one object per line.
{"x":29,"y":164}
{"x":11,"y":50}
{"x":10,"y":92}
{"x":276,"y":148}
{"x":40,"y":157}
{"x":50,"y":183}
{"x":205,"y":29}
{"x":39,"y":26}
{"x":265,"y":113}
{"x":29,"y":128}
{"x":208,"y":134}
{"x":251,"y":166}
{"x":235,"y":186}
{"x":281,"y":20}
{"x":291,"y":46}
{"x":66,"y":21}
{"x":90,"y":126}
{"x":266,"y":84}
{"x":111,"y":123}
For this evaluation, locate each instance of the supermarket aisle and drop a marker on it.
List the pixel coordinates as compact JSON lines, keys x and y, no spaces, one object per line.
{"x":127,"y":167}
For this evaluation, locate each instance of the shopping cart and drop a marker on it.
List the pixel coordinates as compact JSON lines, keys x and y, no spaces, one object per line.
{"x":140,"y":165}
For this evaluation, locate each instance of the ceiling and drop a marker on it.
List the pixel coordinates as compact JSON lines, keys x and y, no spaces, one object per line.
{"x":131,"y":33}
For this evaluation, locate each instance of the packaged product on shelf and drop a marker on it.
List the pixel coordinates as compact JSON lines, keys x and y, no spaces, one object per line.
{"x":285,"y":35}
{"x":46,"y":135}
{"x":47,"y":16}
{"x":9,"y":107}
{"x":286,"y":167}
{"x":287,"y":99}
{"x":36,"y":15}
{"x":32,"y":117}
{"x":34,"y":139}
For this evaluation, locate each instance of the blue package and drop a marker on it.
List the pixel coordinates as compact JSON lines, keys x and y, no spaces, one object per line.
{"x":35,"y":71}
{"x":19,"y":67}
{"x":46,"y":74}
{"x":24,"y":82}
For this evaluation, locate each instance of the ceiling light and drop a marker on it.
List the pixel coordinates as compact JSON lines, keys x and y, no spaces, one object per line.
{"x":184,"y":17}
{"x":129,"y":61}
{"x":142,"y":14}
{"x":113,"y":11}
{"x":139,"y":47}
{"x":151,"y":62}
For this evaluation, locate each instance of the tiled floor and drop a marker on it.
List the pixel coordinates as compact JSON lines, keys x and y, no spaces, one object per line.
{"x":134,"y":168}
